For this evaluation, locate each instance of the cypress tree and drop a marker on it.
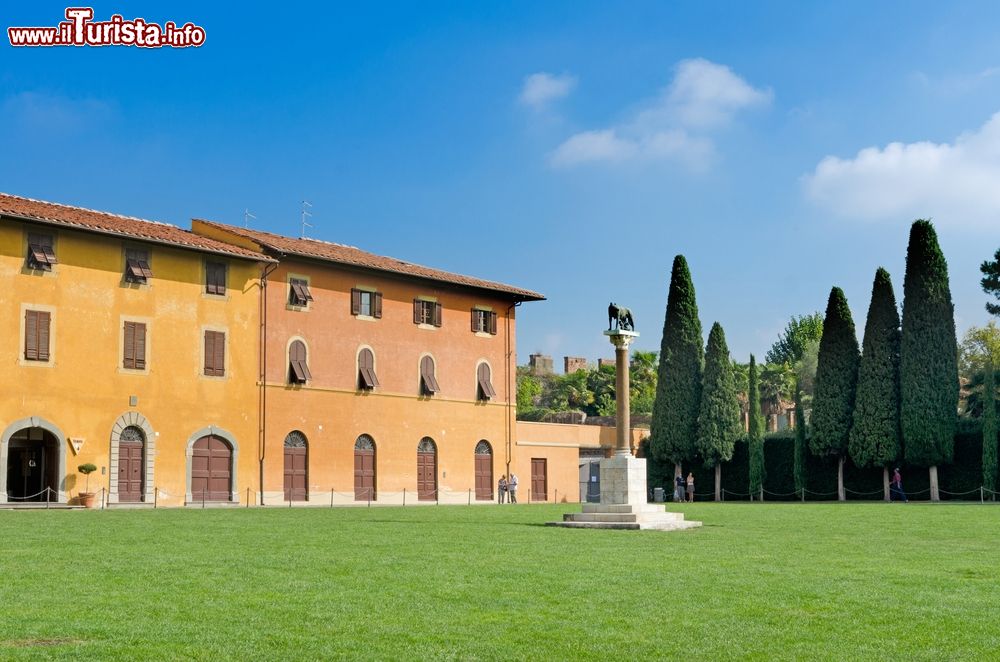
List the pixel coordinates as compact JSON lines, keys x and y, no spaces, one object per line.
{"x":719,"y":413}
{"x":928,"y":358}
{"x":755,"y":438}
{"x":875,"y":436}
{"x":836,"y":383}
{"x":799,"y":466}
{"x":678,"y":386}
{"x":990,"y":429}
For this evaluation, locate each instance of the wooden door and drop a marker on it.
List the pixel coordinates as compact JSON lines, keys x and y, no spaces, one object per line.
{"x":130,"y":473}
{"x":211,"y":470}
{"x":364,"y":474}
{"x":484,"y":476}
{"x":426,"y":476}
{"x":296,"y":473}
{"x":539,"y":479}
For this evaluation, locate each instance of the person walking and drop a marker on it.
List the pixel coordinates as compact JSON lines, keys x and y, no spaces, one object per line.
{"x":512,"y":488}
{"x":896,"y":487}
{"x":502,"y":489}
{"x":690,"y":487}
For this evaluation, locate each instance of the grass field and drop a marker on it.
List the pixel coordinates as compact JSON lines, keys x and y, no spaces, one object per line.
{"x":781,"y":581}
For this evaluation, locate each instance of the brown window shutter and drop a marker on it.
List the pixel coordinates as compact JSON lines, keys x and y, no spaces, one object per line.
{"x":209,"y":353}
{"x":43,"y":335}
{"x":31,"y":335}
{"x":355,"y":301}
{"x":128,"y":360}
{"x":417,"y":306}
{"x":377,"y":305}
{"x":475,"y":320}
{"x":220,"y":353}
{"x":486,"y":391}
{"x":427,"y":378}
{"x":437,"y":314}
{"x":140,"y":346}
{"x":493,"y":323}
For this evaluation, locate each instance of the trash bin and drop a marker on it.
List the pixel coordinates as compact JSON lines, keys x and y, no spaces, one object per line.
{"x":658,"y":495}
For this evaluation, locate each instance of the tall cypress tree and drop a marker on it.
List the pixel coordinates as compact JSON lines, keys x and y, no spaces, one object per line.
{"x":719,"y":414}
{"x":836,"y":385}
{"x":678,"y":386}
{"x":875,"y":436}
{"x":799,"y":466}
{"x":928,"y":358}
{"x":990,"y":428}
{"x":755,"y":438}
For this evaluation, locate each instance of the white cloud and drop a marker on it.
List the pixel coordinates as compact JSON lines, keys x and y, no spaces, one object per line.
{"x":542,"y":88}
{"x":702,"y":96}
{"x":955,"y":183}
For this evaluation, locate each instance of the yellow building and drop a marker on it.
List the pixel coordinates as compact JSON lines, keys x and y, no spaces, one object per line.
{"x":129,"y":344}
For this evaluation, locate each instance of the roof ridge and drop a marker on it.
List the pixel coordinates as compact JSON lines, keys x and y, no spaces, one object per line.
{"x":93,"y":211}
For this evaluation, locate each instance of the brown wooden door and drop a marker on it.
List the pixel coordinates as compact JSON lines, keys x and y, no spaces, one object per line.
{"x":539,"y":479}
{"x":211,"y":469}
{"x":484,"y":477}
{"x":364,"y":474}
{"x":296,"y":474}
{"x":426,"y":476}
{"x":130,"y":473}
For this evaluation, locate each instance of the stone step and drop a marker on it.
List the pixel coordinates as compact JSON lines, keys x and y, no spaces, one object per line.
{"x":623,"y":517}
{"x":622,"y":508}
{"x":673,"y":525}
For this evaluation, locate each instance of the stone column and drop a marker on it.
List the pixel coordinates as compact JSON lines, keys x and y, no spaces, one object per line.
{"x":621,"y":340}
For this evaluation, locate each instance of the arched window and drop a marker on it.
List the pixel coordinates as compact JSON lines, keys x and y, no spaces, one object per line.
{"x":428,"y":381}
{"x":298,"y":368}
{"x":427,"y":470}
{"x":484,"y":386}
{"x":296,"y":467}
{"x":484,"y":471}
{"x":364,"y":468}
{"x":366,"y":369}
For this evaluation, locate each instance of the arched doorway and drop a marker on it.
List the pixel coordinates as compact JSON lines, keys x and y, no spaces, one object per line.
{"x":33,"y":465}
{"x":484,"y":471}
{"x":211,"y":469}
{"x":364,"y":468}
{"x":427,"y":470}
{"x":131,"y":474}
{"x":296,"y":467}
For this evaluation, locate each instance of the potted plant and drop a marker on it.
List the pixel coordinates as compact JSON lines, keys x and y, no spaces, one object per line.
{"x":87,"y":497}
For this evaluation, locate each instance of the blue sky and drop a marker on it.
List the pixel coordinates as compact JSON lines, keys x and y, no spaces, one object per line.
{"x":572,"y":148}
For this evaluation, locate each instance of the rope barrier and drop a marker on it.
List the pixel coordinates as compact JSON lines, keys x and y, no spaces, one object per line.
{"x":847,"y":489}
{"x":46,"y":491}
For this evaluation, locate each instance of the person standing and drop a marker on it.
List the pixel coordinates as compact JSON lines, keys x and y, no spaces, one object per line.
{"x":502,"y":489}
{"x":896,"y":487}
{"x":690,"y":487}
{"x":679,"y":488}
{"x":512,"y":488}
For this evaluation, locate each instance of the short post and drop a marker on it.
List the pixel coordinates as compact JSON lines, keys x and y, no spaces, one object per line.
{"x":555,"y":498}
{"x":156,"y":497}
{"x":369,"y":497}
{"x":982,"y":497}
{"x":203,"y":497}
{"x":104,"y":502}
{"x":248,"y":497}
{"x":48,"y":491}
{"x":404,"y":496}
{"x":331,"y":497}
{"x":470,"y":497}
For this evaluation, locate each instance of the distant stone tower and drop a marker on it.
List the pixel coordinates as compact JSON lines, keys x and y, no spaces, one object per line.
{"x":540,"y":365}
{"x":572,"y":364}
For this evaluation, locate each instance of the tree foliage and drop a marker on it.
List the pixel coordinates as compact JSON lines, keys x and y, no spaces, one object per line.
{"x":978,"y":344}
{"x":755,"y":437}
{"x":990,"y":430}
{"x":928,"y":352}
{"x":678,"y":387}
{"x":792,"y":343}
{"x":799,"y":461}
{"x":529,"y":390}
{"x":719,"y":412}
{"x":875,"y":436}
{"x":642,"y":382}
{"x":991,"y":281}
{"x":836,"y":379}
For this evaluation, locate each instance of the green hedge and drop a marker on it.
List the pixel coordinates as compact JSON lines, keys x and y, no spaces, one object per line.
{"x":959,"y":480}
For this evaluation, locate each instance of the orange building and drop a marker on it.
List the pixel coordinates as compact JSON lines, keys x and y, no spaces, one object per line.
{"x":128,"y":344}
{"x":383,"y":380}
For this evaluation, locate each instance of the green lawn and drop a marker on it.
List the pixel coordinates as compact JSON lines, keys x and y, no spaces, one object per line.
{"x":789,"y":581}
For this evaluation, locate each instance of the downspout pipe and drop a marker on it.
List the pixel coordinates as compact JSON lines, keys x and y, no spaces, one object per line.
{"x":508,"y":425}
{"x":262,"y":398}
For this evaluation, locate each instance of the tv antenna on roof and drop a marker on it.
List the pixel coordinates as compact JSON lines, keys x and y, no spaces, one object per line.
{"x":246,"y":218}
{"x":306,"y":205}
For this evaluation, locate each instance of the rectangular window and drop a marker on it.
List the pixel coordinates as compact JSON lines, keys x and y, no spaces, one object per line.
{"x":426,"y":312}
{"x":484,"y":321}
{"x":41,"y":255}
{"x":215,"y":354}
{"x":36,"y":335}
{"x":298,"y":292}
{"x":215,"y":278}
{"x":134,"y":353}
{"x":366,"y":303}
{"x":137,"y":265}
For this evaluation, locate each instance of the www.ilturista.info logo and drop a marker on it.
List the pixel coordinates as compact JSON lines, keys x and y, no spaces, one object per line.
{"x":79,"y":29}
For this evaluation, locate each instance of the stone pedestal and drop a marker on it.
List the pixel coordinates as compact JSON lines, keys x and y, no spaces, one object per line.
{"x":624,"y":501}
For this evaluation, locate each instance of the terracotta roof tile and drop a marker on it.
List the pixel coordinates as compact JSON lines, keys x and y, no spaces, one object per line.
{"x":115,"y":224}
{"x":349,"y":255}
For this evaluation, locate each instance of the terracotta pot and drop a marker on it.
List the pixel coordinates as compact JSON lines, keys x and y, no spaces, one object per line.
{"x":87,"y":499}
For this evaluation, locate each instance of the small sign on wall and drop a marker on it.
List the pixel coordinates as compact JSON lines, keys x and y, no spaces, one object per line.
{"x":77,"y":444}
